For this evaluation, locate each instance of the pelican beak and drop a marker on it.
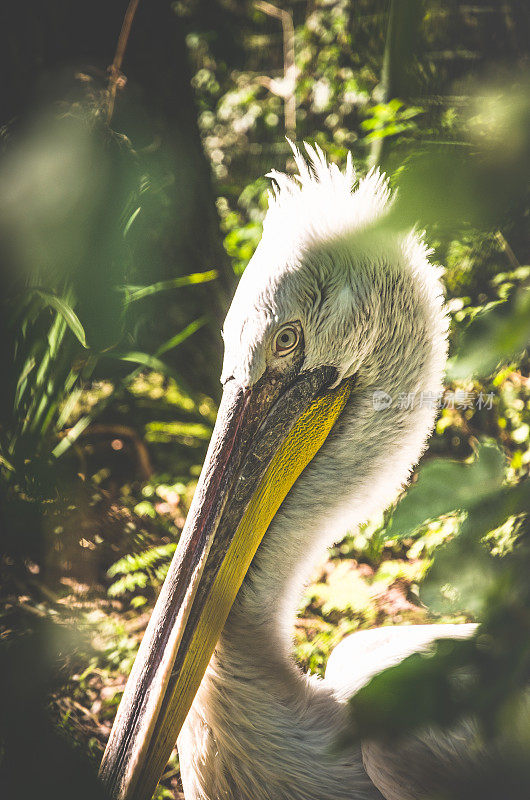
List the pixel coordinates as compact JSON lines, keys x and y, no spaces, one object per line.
{"x":263,"y":438}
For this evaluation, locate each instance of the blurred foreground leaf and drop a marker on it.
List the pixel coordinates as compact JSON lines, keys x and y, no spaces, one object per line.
{"x":465,"y":570}
{"x":66,"y":311}
{"x":496,"y":335}
{"x":36,"y":758}
{"x":446,"y":486}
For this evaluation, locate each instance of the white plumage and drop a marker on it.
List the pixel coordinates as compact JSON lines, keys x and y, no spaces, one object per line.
{"x":370,"y":304}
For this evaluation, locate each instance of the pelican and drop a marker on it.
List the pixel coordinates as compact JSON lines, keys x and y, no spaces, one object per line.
{"x":337,"y":316}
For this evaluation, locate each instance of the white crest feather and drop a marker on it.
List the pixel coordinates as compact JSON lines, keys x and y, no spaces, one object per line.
{"x":321,"y":201}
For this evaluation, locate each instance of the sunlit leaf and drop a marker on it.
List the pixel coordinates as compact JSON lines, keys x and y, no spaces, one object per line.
{"x":130,"y":221}
{"x":168,"y":431}
{"x":180,"y":337}
{"x":135,"y":293}
{"x":72,"y":435}
{"x":66,"y":312}
{"x":143,"y":359}
{"x":5,"y":463}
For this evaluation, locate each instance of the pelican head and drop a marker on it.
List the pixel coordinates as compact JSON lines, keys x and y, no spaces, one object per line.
{"x":337,"y":318}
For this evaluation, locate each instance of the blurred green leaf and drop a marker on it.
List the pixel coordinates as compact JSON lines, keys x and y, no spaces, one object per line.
{"x":66,"y":312}
{"x":135,"y":293}
{"x":400,"y":699}
{"x":130,"y":221}
{"x":444,"y":486}
{"x":143,"y":359}
{"x":497,"y":335}
{"x":180,"y":337}
{"x":465,"y":571}
{"x":72,"y":435}
{"x":167,"y":431}
{"x":29,"y":366}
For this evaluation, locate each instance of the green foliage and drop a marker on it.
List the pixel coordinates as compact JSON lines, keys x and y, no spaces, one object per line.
{"x":189,"y":432}
{"x":444,"y":487}
{"x":466,"y":569}
{"x":62,"y":308}
{"x":241,"y":242}
{"x":138,"y":570}
{"x":79,"y":201}
{"x":389,"y":119}
{"x":498,"y":334}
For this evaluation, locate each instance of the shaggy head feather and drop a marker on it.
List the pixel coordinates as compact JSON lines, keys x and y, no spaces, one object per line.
{"x":321,"y":202}
{"x":328,"y":259}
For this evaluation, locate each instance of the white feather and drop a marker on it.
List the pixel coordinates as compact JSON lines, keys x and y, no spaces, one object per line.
{"x":322,"y":202}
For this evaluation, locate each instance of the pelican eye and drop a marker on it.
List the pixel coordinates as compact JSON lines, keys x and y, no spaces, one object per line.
{"x":286,"y":339}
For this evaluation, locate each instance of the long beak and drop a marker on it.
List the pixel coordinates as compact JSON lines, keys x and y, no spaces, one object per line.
{"x":263,"y":439}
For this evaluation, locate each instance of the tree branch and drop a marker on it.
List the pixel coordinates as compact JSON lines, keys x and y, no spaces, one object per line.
{"x":287,"y":86}
{"x":115,"y":76}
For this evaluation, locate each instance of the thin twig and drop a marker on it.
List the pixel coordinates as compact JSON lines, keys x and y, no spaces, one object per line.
{"x":287,"y":88}
{"x":386,"y":85}
{"x":510,"y":255}
{"x":115,"y":75}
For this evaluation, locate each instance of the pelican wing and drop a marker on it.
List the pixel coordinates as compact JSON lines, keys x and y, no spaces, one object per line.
{"x":421,"y":766}
{"x":364,"y":654}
